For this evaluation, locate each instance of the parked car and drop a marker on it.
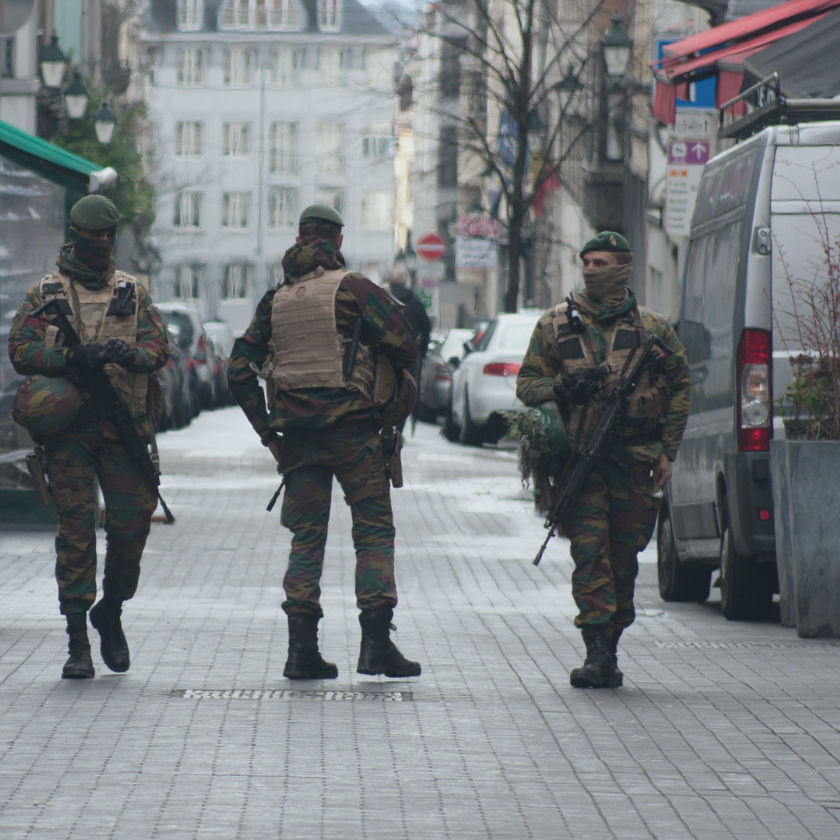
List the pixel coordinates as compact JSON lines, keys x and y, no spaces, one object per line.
{"x":765,"y":214}
{"x":177,"y":395}
{"x":220,"y":335}
{"x":484,"y":381}
{"x":184,"y":319}
{"x":436,"y":374}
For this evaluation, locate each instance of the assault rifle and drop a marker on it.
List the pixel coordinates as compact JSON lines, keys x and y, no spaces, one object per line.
{"x":111,"y":406}
{"x":609,"y":424}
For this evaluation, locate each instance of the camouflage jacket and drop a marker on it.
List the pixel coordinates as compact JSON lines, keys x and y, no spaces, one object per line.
{"x":542,"y":368}
{"x":383,"y":328}
{"x":30,"y":352}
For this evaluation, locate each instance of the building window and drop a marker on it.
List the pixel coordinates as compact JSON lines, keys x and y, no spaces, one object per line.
{"x":330,"y":196}
{"x":282,"y":207}
{"x":376,"y":209}
{"x":285,"y":69}
{"x":450,"y":67}
{"x":329,"y":15}
{"x":235,"y":281}
{"x":238,"y":67}
{"x":191,"y":67}
{"x":379,"y":69}
{"x":235,"y":210}
{"x":7,"y":68}
{"x":235,"y":136}
{"x":330,"y":66}
{"x":285,"y":14}
{"x":187,"y":210}
{"x":188,"y":139}
{"x":190,"y":13}
{"x":186,"y":282}
{"x":377,"y":141}
{"x":448,"y":156}
{"x":282,"y":151}
{"x":328,"y":148}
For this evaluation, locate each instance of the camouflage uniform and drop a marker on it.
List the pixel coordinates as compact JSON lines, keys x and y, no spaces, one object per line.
{"x":614,"y":515}
{"x":328,"y":432}
{"x":90,"y":450}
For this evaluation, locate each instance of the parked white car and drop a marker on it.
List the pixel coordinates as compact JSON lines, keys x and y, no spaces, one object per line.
{"x":484,"y":382}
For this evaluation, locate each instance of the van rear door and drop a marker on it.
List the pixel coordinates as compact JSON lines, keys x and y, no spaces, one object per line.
{"x":805,"y":237}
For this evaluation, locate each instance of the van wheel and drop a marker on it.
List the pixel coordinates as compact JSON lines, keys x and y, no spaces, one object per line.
{"x":746,"y":592}
{"x":677,"y":582}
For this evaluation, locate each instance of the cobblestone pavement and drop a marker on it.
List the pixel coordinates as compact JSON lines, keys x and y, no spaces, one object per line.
{"x":722,"y":730}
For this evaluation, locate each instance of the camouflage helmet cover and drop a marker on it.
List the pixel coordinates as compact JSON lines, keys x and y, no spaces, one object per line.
{"x":46,"y":404}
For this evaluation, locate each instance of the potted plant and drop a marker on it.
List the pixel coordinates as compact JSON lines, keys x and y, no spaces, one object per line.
{"x":805,"y":464}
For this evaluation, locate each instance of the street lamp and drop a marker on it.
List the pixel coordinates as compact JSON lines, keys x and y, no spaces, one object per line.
{"x":104,"y":124}
{"x":76,"y":97}
{"x":53,"y":63}
{"x":567,"y":87}
{"x":616,"y":47}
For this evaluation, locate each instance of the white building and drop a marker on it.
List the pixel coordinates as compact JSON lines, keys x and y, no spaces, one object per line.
{"x":258,"y":108}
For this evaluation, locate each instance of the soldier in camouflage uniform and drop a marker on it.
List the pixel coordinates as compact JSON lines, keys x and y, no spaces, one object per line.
{"x":579,"y":350}
{"x":121,"y":332}
{"x":316,"y":339}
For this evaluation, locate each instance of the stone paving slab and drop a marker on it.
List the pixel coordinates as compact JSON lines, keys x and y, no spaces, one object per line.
{"x":722,"y":730}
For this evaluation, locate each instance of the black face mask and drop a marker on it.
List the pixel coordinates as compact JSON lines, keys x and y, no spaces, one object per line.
{"x":93,"y":250}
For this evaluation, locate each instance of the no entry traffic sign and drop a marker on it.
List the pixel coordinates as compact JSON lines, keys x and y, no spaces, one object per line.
{"x":430,"y":247}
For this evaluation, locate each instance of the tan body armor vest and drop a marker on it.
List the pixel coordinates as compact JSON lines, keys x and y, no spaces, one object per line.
{"x":91,"y":312}
{"x":649,"y":401}
{"x":307,"y":350}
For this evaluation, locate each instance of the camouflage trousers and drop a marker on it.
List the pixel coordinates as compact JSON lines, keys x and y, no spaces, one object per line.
{"x":310,"y":460}
{"x":75,"y":460}
{"x":611,"y":522}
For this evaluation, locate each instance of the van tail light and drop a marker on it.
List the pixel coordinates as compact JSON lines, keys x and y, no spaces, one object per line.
{"x":201,"y":351}
{"x":502,"y":369}
{"x":755,"y":404}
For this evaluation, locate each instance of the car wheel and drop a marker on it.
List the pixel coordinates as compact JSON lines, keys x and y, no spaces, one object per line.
{"x":746,"y":591}
{"x":676,"y":582}
{"x":451,"y":430}
{"x":470,"y":432}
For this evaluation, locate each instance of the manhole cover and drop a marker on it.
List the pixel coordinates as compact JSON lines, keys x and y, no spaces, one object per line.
{"x":290,"y":694}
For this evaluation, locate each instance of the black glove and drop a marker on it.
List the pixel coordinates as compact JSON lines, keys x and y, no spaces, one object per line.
{"x":579,"y":386}
{"x":91,"y":356}
{"x":119,"y":352}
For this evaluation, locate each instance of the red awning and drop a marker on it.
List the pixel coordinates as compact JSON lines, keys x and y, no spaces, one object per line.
{"x":726,"y":48}
{"x":745,"y":27}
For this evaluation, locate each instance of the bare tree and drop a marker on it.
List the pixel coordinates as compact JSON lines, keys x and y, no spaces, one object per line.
{"x":527,"y":65}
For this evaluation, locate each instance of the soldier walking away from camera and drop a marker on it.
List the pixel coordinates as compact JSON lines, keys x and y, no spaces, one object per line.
{"x":121,"y":334}
{"x":579,"y":352}
{"x":334,"y":348}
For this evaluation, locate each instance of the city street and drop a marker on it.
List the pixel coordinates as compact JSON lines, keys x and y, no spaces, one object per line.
{"x":721,"y":730}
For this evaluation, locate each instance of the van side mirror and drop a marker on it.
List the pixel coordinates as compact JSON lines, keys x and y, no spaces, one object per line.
{"x":453,"y":362}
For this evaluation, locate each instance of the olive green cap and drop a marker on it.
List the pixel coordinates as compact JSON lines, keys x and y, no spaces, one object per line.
{"x":606,"y":240}
{"x":95,"y":212}
{"x":321,"y":213}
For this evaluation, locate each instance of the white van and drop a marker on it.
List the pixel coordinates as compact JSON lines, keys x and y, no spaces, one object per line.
{"x":765,"y":210}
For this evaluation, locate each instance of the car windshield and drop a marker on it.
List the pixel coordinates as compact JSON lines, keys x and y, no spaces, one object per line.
{"x":513,"y":336}
{"x":181,"y":326}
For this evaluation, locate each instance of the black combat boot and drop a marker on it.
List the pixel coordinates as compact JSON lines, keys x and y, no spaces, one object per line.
{"x":304,"y":661}
{"x":105,"y":617}
{"x":597,"y":670}
{"x":378,"y":654}
{"x":79,"y":665}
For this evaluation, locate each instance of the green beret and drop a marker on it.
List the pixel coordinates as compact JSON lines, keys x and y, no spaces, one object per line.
{"x":321,"y":213}
{"x":606,"y":240}
{"x":95,"y":212}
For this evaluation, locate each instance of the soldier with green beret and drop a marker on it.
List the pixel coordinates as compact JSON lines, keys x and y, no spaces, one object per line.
{"x":578,"y":353}
{"x":123,"y":335}
{"x":334,"y":349}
